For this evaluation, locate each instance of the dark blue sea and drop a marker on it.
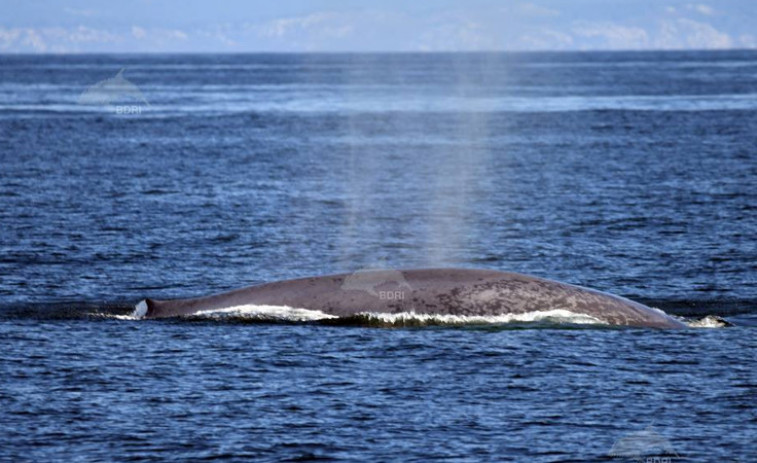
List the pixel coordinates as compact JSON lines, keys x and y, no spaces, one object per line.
{"x":632,"y":173}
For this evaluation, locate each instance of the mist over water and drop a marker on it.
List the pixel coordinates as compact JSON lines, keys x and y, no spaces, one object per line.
{"x":438,"y":186}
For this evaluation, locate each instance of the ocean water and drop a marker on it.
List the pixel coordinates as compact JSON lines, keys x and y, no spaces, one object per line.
{"x":632,"y":173}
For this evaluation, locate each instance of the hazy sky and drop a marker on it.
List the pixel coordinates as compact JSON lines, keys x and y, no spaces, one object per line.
{"x":391,"y":25}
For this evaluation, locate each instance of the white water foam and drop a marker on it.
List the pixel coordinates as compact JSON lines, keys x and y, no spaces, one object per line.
{"x":557,"y":316}
{"x":264,"y":312}
{"x":710,"y":321}
{"x":291,"y":314}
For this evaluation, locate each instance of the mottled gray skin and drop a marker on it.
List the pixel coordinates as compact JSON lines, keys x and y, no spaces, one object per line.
{"x":428,"y":291}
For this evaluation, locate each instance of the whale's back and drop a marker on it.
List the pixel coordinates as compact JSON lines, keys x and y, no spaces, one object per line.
{"x":460,"y":292}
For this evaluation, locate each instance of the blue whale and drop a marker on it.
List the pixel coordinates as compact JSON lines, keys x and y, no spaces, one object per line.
{"x":460,"y":292}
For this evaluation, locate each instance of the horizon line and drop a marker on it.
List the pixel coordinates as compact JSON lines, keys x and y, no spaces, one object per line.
{"x":383,"y":52}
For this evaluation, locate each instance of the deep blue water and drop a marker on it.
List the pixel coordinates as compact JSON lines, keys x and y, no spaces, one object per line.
{"x":633,"y":173}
